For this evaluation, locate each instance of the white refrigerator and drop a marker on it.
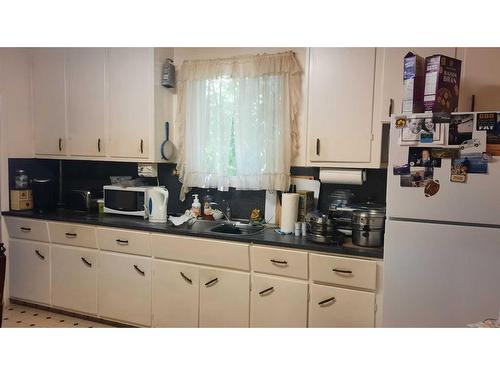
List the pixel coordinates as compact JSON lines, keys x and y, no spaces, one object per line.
{"x":441,"y":252}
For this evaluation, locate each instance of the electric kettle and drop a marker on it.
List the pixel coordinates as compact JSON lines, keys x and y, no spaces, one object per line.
{"x":156,"y":204}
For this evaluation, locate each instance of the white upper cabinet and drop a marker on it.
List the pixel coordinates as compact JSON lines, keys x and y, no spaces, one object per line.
{"x":131,"y":101}
{"x":480,"y":79}
{"x":340,"y":106}
{"x":86,"y":85}
{"x":389,"y":73}
{"x":49,"y":101}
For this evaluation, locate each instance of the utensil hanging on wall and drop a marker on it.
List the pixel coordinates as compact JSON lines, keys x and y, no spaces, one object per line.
{"x":167,"y":147}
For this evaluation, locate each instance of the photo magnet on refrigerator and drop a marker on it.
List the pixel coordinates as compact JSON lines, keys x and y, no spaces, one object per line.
{"x":431,"y":188}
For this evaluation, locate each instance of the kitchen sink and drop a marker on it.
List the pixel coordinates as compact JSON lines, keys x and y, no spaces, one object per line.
{"x":238,"y":228}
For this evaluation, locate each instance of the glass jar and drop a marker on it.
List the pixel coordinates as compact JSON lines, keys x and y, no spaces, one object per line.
{"x":21,"y":179}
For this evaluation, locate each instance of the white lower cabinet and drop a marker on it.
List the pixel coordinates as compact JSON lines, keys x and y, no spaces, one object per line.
{"x":125,"y":288}
{"x":74,"y":278}
{"x":30,"y":271}
{"x":278,"y":302}
{"x":224,"y":298}
{"x":339,"y":307}
{"x":175,"y":294}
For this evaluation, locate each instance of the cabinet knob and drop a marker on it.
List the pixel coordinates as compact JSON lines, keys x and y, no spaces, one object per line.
{"x":42,"y":257}
{"x":139,"y":270}
{"x":211,"y":282}
{"x":266,"y":291}
{"x":142,"y":146}
{"x":71,"y":235}
{"x":317,"y":146}
{"x":98,"y":144}
{"x":325,"y":301}
{"x":473,"y":103}
{"x":25,"y":229}
{"x":280,"y":262}
{"x":87,"y":263}
{"x":186,"y":278}
{"x":122,"y":242}
{"x":60,"y":144}
{"x":391,"y":106}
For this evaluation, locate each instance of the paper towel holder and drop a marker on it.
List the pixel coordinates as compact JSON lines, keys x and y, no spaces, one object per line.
{"x":342,"y":176}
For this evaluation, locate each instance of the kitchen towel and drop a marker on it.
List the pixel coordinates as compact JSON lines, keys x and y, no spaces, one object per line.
{"x":289,"y":211}
{"x":342,"y":176}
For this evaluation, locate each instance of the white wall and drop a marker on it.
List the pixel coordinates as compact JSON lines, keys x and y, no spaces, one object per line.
{"x":181,"y":54}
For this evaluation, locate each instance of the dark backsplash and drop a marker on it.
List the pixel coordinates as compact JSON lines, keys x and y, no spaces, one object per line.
{"x":92,"y":175}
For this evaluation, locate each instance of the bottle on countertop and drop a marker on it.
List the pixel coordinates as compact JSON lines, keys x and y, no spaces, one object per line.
{"x":207,"y":209}
{"x":196,"y":206}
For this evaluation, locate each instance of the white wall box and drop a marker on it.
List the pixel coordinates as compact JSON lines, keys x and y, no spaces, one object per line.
{"x":29,"y":264}
{"x":224,"y":298}
{"x":278,"y":302}
{"x":339,"y":307}
{"x":74,"y":278}
{"x":125,"y":288}
{"x":175,"y":294}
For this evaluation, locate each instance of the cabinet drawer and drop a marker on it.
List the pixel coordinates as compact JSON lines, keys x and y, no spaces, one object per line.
{"x":278,"y":302}
{"x":279,"y":261}
{"x":343,"y":271}
{"x":72,"y":234}
{"x":27,"y":229}
{"x":201,"y":251}
{"x":124,"y":241}
{"x":338,"y":307}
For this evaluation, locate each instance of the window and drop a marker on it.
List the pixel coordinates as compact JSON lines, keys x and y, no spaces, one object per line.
{"x":237,"y":119}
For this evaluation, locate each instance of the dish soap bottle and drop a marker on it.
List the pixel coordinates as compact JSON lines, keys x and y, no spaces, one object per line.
{"x":196,"y":206}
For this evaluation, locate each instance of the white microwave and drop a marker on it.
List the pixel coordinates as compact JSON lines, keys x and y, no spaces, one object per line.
{"x":125,"y":200}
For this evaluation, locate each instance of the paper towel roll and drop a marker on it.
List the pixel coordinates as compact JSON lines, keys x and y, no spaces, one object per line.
{"x":289,"y":211}
{"x":342,"y":176}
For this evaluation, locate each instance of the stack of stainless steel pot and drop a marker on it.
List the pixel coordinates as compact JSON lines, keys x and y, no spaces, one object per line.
{"x":322,"y":229}
{"x":368,"y":227}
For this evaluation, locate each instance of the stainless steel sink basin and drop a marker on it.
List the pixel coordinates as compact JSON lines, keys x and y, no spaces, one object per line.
{"x":238,"y":228}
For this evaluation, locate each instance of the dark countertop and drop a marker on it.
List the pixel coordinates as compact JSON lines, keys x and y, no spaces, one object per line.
{"x":266,"y":237}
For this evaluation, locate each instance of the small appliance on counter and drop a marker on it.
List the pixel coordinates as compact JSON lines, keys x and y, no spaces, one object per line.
{"x":368,"y":227}
{"x":156,"y":207}
{"x":43,"y":195}
{"x":81,"y":199}
{"x":125,"y":200}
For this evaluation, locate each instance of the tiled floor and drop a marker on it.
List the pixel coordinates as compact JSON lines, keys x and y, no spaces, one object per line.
{"x":18,"y":316}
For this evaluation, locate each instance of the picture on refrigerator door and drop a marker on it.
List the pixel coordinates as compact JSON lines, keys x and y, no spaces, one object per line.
{"x":493,"y":138}
{"x":472,"y":163}
{"x":445,"y":153}
{"x":401,"y":169}
{"x":460,"y":129}
{"x":422,"y":157}
{"x":419,"y":130}
{"x":418,"y":177}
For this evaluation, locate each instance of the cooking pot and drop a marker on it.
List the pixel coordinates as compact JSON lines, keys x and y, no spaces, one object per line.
{"x":368,"y":227}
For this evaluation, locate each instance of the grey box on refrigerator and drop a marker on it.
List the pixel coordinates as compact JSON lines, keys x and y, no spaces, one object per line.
{"x":413,"y":83}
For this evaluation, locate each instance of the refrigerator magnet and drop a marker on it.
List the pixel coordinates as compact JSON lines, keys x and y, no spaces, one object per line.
{"x":431,"y":188}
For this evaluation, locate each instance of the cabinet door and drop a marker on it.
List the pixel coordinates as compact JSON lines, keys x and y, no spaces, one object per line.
{"x":224,"y":298}
{"x":86,"y":100}
{"x":481,"y":78}
{"x":124,"y":288}
{"x":74,"y":278}
{"x":391,"y":69}
{"x":278,"y":302}
{"x":30,"y":271}
{"x":49,"y":101}
{"x":131,"y":101}
{"x":340,"y":105}
{"x":175,"y":294}
{"x":338,"y":307}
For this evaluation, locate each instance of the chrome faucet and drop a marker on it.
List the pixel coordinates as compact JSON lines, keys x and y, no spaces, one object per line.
{"x":226,"y":212}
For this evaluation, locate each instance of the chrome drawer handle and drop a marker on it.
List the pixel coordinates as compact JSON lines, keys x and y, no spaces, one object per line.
{"x":42,"y":257}
{"x":211,"y":282}
{"x":186,"y":278}
{"x":71,"y":235}
{"x":283,"y":262}
{"x":122,"y":242}
{"x":25,"y":229}
{"x":86,"y":262}
{"x":139,"y":270}
{"x":265,"y":291}
{"x":341,"y":271}
{"x":325,"y":301}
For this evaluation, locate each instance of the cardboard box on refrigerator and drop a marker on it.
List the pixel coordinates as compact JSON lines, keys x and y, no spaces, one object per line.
{"x":442,"y":84}
{"x":413,"y":83}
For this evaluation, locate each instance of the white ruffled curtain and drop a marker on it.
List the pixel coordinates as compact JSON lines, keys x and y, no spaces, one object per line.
{"x":237,"y":120}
